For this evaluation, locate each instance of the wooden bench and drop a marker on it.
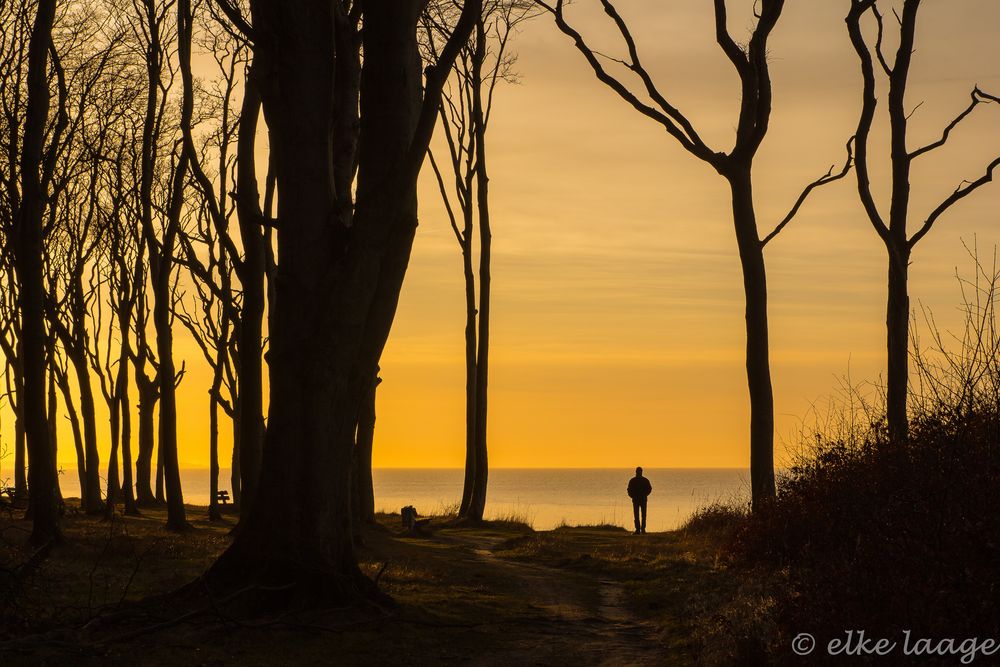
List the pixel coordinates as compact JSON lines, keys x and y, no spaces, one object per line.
{"x":222,"y":497}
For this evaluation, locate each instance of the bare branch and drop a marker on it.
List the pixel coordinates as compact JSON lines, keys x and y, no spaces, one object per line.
{"x":692,"y":144}
{"x":978,"y":97}
{"x":964,"y":189}
{"x":825,"y":179}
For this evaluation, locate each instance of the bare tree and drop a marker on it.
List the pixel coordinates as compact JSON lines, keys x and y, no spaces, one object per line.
{"x":465,"y":112}
{"x":156,"y":32}
{"x":736,"y":166}
{"x":220,"y":330}
{"x":892,"y":229}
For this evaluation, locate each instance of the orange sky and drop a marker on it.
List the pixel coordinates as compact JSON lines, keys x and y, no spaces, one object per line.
{"x":618,"y":309}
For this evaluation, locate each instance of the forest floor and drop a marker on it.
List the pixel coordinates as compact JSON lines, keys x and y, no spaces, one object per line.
{"x":494,"y":594}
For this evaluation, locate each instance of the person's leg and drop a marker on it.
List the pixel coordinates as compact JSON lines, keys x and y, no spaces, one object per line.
{"x":643,"y":506}
{"x":635,"y":512}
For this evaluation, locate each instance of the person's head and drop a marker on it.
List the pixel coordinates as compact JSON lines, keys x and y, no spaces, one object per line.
{"x":638,"y":471}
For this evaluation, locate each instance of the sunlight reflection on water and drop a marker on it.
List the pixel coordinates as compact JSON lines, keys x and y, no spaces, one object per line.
{"x":546,"y":497}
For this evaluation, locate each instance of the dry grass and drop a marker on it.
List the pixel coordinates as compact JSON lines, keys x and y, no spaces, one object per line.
{"x":451,"y":602}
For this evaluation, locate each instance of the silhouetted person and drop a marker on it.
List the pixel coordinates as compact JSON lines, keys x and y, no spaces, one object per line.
{"x":639,"y":489}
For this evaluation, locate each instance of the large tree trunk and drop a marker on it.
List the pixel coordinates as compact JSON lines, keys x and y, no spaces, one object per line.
{"x":30,"y":289}
{"x":897,"y":323}
{"x":757,"y":355}
{"x":361,"y":477}
{"x":147,"y":442}
{"x":337,"y":287}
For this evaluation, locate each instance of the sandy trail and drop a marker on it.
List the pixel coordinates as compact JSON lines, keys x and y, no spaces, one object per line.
{"x":579,"y":619}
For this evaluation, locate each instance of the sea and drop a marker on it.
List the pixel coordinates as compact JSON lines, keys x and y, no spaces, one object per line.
{"x":543,"y":497}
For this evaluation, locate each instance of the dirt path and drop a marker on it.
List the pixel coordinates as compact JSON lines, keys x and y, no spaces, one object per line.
{"x":577,"y":619}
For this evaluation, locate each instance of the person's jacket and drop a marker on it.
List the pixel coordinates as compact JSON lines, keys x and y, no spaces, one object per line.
{"x":639,"y":488}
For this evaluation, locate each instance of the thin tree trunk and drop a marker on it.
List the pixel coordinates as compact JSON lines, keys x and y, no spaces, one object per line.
{"x":52,"y":406}
{"x":757,"y":353}
{"x":213,"y":454}
{"x":470,"y":366}
{"x":234,"y":474}
{"x":128,"y":488}
{"x":74,"y":422}
{"x":161,"y":496}
{"x":88,"y":415}
{"x":897,"y":340}
{"x":162,"y":304}
{"x":147,"y":443}
{"x":20,"y":450}
{"x":250,"y":416}
{"x":121,"y":398}
{"x":112,"y":493}
{"x":478,"y":503}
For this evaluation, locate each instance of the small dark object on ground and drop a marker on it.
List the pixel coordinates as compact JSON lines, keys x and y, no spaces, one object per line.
{"x":222,"y":496}
{"x":411,"y":520}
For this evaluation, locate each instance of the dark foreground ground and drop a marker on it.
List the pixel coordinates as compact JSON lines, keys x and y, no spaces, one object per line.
{"x":498,"y":594}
